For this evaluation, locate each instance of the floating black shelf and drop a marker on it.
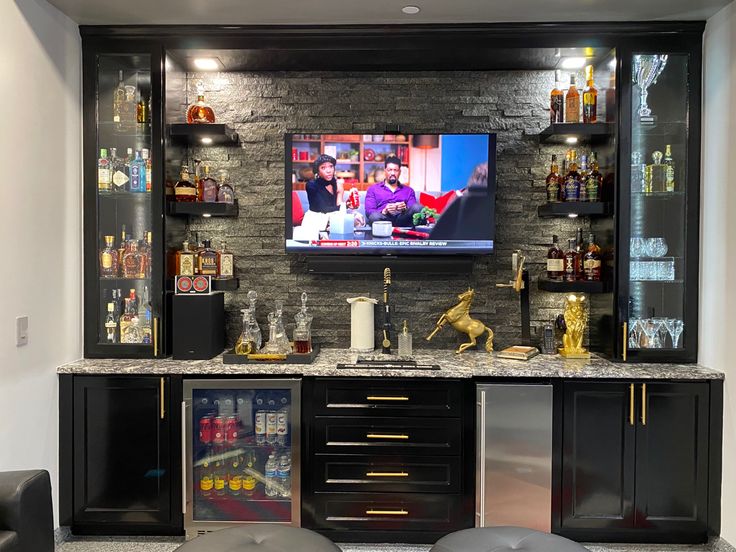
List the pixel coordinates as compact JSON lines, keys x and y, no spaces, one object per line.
{"x":220,"y":134}
{"x":229,"y":284}
{"x":557,"y":133}
{"x":578,"y":208}
{"x":580,"y":286}
{"x":197,"y":209}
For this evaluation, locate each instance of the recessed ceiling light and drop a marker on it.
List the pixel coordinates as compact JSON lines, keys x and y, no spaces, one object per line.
{"x":410,"y":10}
{"x":206,"y":64}
{"x":571,"y":140}
{"x":207,"y":140}
{"x":573,"y":63}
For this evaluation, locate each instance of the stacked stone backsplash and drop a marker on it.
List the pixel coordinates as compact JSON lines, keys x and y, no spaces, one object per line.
{"x":261,"y":107}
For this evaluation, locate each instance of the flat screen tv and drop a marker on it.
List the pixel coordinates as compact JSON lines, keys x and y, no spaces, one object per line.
{"x":390,"y":194}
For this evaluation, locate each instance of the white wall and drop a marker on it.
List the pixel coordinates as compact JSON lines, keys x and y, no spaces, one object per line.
{"x":718,"y":236}
{"x":40,"y":225}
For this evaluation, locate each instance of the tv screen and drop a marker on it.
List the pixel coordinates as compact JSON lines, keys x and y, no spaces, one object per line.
{"x":390,"y":193}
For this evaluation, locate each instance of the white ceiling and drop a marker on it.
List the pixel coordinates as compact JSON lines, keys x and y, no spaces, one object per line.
{"x":318,"y":12}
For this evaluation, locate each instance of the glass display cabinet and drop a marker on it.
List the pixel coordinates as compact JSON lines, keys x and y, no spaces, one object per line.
{"x":121,"y":198}
{"x":658,"y":232}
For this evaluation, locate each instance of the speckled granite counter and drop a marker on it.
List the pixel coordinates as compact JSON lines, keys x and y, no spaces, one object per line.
{"x":467,"y":365}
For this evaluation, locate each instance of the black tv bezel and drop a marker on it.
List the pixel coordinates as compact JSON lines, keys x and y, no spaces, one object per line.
{"x":394,"y":252}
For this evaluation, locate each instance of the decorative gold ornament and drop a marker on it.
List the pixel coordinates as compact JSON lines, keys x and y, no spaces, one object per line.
{"x":459,"y":318}
{"x":575,"y":322}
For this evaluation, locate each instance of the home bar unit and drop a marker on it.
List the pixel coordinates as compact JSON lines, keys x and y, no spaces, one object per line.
{"x":204,"y":151}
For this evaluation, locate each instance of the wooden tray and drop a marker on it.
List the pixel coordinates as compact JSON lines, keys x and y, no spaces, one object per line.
{"x":231,"y":358}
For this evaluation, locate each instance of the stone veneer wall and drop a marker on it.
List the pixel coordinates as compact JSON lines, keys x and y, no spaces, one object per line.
{"x":263,"y":106}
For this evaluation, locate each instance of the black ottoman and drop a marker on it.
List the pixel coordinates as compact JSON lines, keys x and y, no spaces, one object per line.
{"x":260,"y":537}
{"x":503,"y":539}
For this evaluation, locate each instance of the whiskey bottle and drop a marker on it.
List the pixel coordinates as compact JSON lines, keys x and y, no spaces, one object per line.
{"x":133,"y":262}
{"x":572,"y":103}
{"x":142,"y":112}
{"x":185,"y":261}
{"x":118,"y":99}
{"x":611,"y":99}
{"x":184,"y":189}
{"x":147,"y":252}
{"x":669,"y":174}
{"x":555,"y":261}
{"x":104,"y":175}
{"x":572,"y":179}
{"x":122,"y":248}
{"x":199,"y":112}
{"x":146,"y":156}
{"x":583,"y":172}
{"x":572,"y":261}
{"x":553,"y":181}
{"x":225,"y":191}
{"x":109,"y":259}
{"x":129,"y":328}
{"x":655,"y":175}
{"x":208,"y":187}
{"x":207,"y":260}
{"x":128,"y":119}
{"x":563,"y":175}
{"x":594,"y":181}
{"x":225,"y":262}
{"x":590,"y":97}
{"x":111,"y":325}
{"x":556,"y":102}
{"x":592,"y":261}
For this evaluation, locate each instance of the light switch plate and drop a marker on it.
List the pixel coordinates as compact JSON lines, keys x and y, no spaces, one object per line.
{"x":21,"y":331}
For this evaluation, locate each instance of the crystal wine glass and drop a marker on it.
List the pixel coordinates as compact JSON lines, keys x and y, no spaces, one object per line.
{"x":635,"y":333}
{"x":661,"y":332}
{"x":675,"y":328}
{"x":651,"y":329}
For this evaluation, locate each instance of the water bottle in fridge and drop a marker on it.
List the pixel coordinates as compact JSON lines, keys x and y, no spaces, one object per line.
{"x":284,"y":476}
{"x":271,"y":476}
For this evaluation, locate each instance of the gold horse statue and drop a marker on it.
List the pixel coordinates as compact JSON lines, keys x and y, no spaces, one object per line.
{"x":459,"y":318}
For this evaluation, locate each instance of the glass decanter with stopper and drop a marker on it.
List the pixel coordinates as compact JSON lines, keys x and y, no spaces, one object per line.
{"x":200,"y":112}
{"x":278,"y":343}
{"x":303,"y":329}
{"x":250,"y":339}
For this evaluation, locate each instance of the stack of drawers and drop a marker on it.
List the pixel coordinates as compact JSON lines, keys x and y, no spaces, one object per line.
{"x":386,"y":458}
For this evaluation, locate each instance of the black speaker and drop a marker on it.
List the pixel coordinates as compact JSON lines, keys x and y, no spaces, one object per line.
{"x":198,"y":326}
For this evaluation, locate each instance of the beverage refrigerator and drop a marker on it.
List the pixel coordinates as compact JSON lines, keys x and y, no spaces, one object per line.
{"x":240,"y":459}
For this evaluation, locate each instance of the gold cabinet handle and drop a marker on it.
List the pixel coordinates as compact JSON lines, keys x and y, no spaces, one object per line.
{"x":385,"y":436}
{"x":401,"y":512}
{"x":387,"y":474}
{"x":643,"y":404}
{"x":626,"y":340}
{"x":631,"y":404}
{"x":161,"y":388}
{"x":155,"y":337}
{"x":382,"y":398}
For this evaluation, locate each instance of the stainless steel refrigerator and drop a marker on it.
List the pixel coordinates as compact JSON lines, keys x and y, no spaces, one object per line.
{"x":240,"y":459}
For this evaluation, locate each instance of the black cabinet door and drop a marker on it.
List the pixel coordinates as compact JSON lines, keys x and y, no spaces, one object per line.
{"x":122,"y":465}
{"x":598,"y":457}
{"x":672,"y":457}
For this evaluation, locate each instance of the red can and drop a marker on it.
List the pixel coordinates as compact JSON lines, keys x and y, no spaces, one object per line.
{"x":218,"y":431}
{"x":353,"y":199}
{"x":231,"y":429}
{"x":303,"y":156}
{"x":205,"y":430}
{"x":294,"y":154}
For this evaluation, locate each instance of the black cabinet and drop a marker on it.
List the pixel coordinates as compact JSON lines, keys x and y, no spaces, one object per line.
{"x":116,"y":455}
{"x":635,"y":461}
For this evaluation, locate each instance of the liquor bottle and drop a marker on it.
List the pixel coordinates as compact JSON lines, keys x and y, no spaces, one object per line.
{"x":592,"y":261}
{"x":590,"y":97}
{"x":111,"y":326}
{"x":133,"y":298}
{"x":572,"y":103}
{"x":225,"y":191}
{"x":572,"y":179}
{"x":557,"y":102}
{"x":128,"y":116}
{"x":142,"y":112}
{"x":553,"y":181}
{"x":225,"y":262}
{"x":572,"y":261}
{"x":118,"y":99}
{"x":109,"y":259}
{"x":129,"y":329}
{"x":207,"y":187}
{"x":119,"y":175}
{"x":611,"y":99}
{"x":133,"y":262}
{"x":104,"y":174}
{"x":122,"y":248}
{"x":669,"y":175}
{"x":563,"y":174}
{"x":137,"y":173}
{"x":200,"y":112}
{"x":146,"y":156}
{"x":185,"y":190}
{"x":185,"y":261}
{"x":555,"y":261}
{"x":583,"y":172}
{"x":146,"y":251}
{"x":594,"y":181}
{"x":207,"y":260}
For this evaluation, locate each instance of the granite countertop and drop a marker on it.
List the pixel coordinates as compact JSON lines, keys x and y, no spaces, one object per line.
{"x":467,"y":365}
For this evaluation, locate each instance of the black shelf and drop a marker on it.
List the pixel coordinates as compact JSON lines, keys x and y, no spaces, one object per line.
{"x":557,"y":133}
{"x":201,"y":209}
{"x":580,"y":286}
{"x":579,"y":208}
{"x":221,"y":134}
{"x":229,"y":284}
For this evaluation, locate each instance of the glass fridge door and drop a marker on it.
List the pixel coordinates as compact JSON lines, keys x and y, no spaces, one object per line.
{"x":659,"y":224}
{"x":242,"y":453}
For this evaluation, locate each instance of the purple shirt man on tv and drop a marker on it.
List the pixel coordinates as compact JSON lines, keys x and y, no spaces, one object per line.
{"x":391,"y":200}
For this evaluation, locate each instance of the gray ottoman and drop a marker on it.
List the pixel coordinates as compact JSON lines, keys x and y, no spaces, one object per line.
{"x":503,"y":539}
{"x":261,"y":537}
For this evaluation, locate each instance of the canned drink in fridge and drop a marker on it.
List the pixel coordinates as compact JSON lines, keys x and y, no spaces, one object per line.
{"x":282,"y":426}
{"x":218,"y":430}
{"x":260,"y":424}
{"x":205,"y":430}
{"x":271,"y":427}
{"x":231,"y":430}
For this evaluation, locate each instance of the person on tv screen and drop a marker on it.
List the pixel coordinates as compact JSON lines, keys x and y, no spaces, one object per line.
{"x":325,"y":192}
{"x":469,"y":216}
{"x":390,"y":199}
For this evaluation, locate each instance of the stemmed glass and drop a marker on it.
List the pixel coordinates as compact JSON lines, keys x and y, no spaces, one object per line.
{"x":661,"y":331}
{"x":651,"y":329}
{"x":674,"y":327}
{"x":635,"y":326}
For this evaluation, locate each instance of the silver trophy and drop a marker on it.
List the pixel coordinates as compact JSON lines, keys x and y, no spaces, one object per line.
{"x":647,"y":68}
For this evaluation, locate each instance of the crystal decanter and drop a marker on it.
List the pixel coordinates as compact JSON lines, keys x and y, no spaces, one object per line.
{"x":278,"y":343}
{"x":303,"y":329}
{"x":250,"y":339}
{"x":200,"y":112}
